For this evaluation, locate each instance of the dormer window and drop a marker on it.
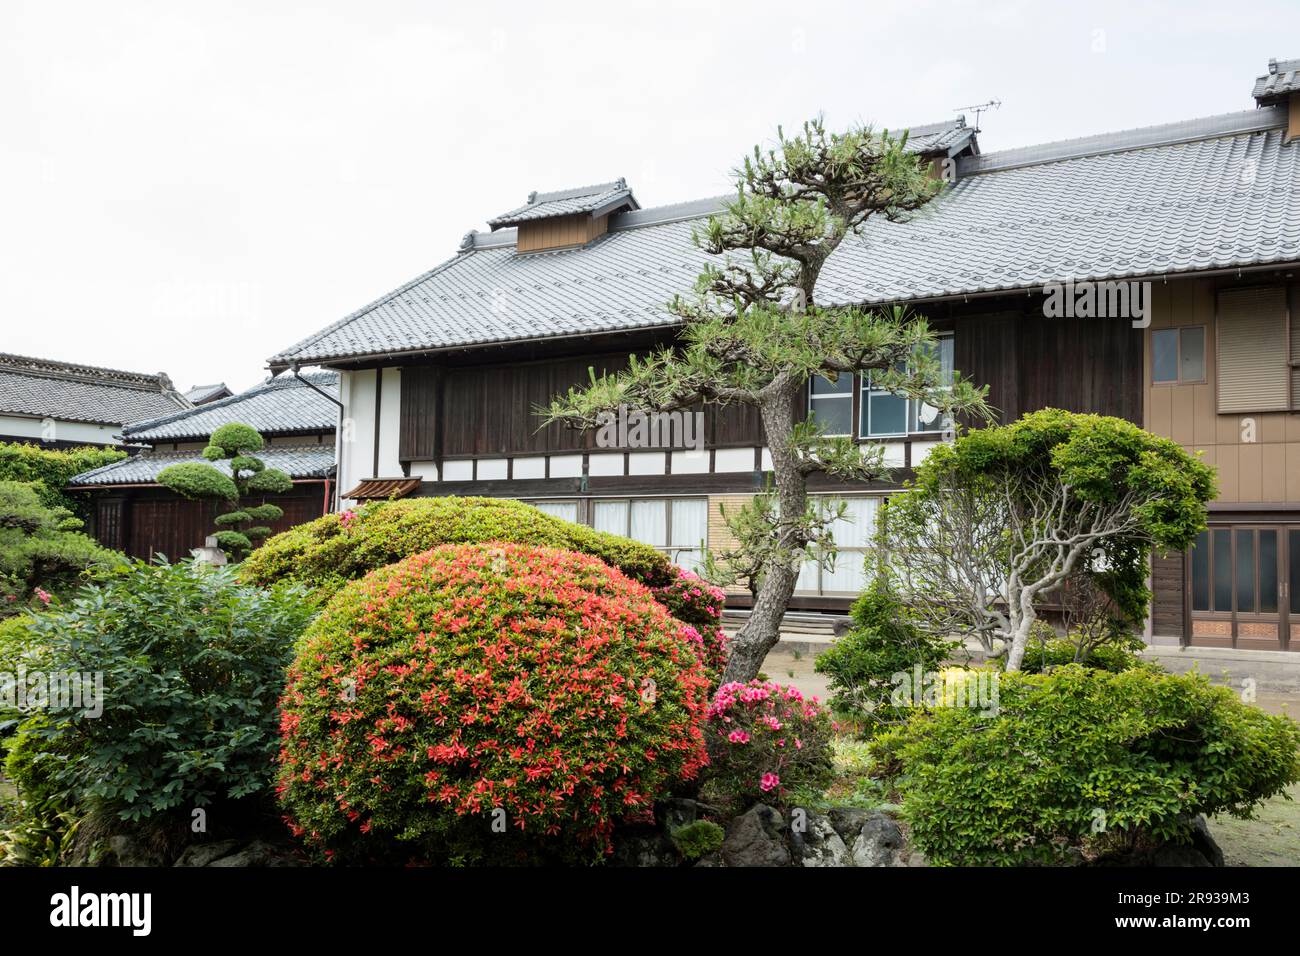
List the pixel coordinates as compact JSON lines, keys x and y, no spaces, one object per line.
{"x":566,"y":218}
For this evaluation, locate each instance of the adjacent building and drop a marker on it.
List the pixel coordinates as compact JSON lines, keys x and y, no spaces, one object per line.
{"x":64,"y":404}
{"x":297,"y":418}
{"x":1147,"y":274}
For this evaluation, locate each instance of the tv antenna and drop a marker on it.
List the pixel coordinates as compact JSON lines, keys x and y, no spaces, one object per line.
{"x":980,"y":108}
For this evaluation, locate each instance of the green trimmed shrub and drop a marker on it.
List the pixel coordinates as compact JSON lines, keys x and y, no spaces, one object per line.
{"x":469,"y":685}
{"x":236,"y":439}
{"x":862,"y":665}
{"x":1083,"y":760}
{"x":232,"y":443}
{"x":193,"y":480}
{"x":327,"y":553}
{"x":192,"y":663}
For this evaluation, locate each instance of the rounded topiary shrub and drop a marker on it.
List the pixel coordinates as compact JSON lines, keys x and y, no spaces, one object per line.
{"x":327,"y":553}
{"x":1082,"y":761}
{"x":767,"y":742}
{"x":487,"y":703}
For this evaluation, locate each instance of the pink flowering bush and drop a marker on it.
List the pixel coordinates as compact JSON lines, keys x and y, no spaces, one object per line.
{"x":767,"y":740}
{"x":696,"y":602}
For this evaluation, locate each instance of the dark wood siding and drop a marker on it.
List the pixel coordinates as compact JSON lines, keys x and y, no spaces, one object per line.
{"x":1027,"y":360}
{"x":158,"y":522}
{"x":1167,"y":588}
{"x":418,"y":435}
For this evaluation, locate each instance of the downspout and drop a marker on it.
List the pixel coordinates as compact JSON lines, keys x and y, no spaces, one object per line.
{"x":338,"y":429}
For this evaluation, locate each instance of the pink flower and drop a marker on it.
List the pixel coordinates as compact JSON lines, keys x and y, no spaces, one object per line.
{"x":738,"y":737}
{"x":346,"y":518}
{"x":42,"y":596}
{"x":769,"y":782}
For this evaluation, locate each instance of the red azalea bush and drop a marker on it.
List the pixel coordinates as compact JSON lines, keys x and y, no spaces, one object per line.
{"x":694,"y":601}
{"x":768,"y":740}
{"x":475,"y":689}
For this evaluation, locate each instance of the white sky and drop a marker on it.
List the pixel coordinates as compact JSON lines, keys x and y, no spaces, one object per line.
{"x":192,"y":187}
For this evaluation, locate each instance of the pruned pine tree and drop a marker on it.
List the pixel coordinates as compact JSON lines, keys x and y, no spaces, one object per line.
{"x":754,"y":333}
{"x":241,"y":525}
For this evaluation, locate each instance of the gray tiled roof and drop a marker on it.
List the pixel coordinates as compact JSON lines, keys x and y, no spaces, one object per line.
{"x":1282,"y":79}
{"x":1194,"y":196}
{"x":565,"y":202}
{"x":278,"y":406}
{"x":207,"y":393}
{"x":301,"y":461}
{"x":82,"y":393}
{"x":948,"y":138}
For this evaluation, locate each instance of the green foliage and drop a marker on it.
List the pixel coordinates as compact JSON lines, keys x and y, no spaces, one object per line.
{"x":1045,"y":651}
{"x":1055,"y":507}
{"x":694,"y":840}
{"x":40,"y":822}
{"x":234,"y":443}
{"x":470,"y":679}
{"x":1083,"y":759}
{"x":884,"y":642}
{"x":325,"y":554}
{"x":193,"y":480}
{"x":192,"y":664}
{"x":233,"y":542}
{"x":236,"y":439}
{"x":753,"y":335}
{"x":246,"y":463}
{"x":52,"y":470}
{"x":39,"y":554}
{"x":269,"y":481}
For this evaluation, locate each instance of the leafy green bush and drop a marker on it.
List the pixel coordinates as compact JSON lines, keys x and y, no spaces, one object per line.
{"x":191,"y":479}
{"x":477,"y":684}
{"x":1083,"y":759}
{"x":698,"y":839}
{"x":1044,"y":653}
{"x":883,"y":642}
{"x":327,"y":553}
{"x":767,"y":741}
{"x":53,"y":469}
{"x":192,"y":663}
{"x":41,"y":553}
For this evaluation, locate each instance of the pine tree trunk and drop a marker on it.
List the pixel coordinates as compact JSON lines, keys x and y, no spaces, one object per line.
{"x":763,"y":629}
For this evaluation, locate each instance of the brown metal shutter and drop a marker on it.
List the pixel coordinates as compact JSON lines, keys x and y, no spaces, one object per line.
{"x":1253,"y":351}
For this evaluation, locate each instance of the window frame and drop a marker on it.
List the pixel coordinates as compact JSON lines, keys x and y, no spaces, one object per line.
{"x":1178,"y":356}
{"x":911,"y":423}
{"x":847,"y":396}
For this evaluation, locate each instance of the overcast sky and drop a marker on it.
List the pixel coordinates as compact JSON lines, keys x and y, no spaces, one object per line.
{"x":192,"y":187}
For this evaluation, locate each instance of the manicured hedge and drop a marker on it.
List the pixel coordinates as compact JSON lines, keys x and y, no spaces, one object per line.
{"x":20,"y":461}
{"x":1081,"y":760}
{"x":487,"y":703}
{"x":326,"y":553}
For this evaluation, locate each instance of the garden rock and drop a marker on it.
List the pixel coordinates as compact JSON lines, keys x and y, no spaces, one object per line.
{"x":260,"y":854}
{"x":650,"y":850}
{"x":819,"y":844}
{"x":879,"y":843}
{"x":124,"y":850}
{"x":204,"y":854}
{"x":756,"y":838}
{"x":1204,"y":841}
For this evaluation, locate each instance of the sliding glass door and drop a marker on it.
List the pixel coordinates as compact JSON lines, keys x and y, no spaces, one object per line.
{"x":1241,"y":587}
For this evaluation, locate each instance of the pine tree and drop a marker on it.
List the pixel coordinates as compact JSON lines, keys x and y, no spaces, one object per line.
{"x":241,"y":526}
{"x":753,"y":334}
